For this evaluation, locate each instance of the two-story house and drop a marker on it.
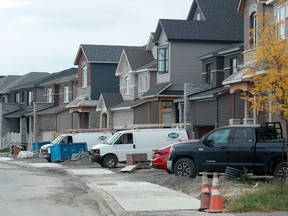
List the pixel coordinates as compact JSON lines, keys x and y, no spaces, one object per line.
{"x":51,"y":116}
{"x":210,"y":25}
{"x":19,"y":97}
{"x":240,"y":83}
{"x":96,"y":74}
{"x":211,"y":97}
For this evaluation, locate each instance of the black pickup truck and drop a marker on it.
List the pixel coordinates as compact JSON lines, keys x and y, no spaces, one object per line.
{"x":258,"y":149}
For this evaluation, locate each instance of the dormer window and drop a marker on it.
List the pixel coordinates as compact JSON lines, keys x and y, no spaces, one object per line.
{"x":84,"y":76}
{"x":208,"y":74}
{"x":17,"y":98}
{"x":30,"y":98}
{"x":126,"y":86}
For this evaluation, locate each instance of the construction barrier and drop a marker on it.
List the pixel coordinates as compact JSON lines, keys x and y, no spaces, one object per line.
{"x":216,"y":202}
{"x":205,"y":193}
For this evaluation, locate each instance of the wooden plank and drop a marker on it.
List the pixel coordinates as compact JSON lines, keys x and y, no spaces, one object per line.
{"x":129,"y":168}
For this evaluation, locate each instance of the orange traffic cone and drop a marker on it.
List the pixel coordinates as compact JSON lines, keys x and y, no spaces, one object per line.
{"x":205,"y":193}
{"x":216,"y":202}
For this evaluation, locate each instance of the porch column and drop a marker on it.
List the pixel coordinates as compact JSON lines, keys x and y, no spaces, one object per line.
{"x":160,"y":113}
{"x":254,"y":111}
{"x":149,"y":114}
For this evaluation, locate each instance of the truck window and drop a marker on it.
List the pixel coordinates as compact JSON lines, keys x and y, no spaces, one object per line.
{"x":67,"y":139}
{"x":125,"y":139}
{"x":219,"y":136}
{"x":242,"y":135}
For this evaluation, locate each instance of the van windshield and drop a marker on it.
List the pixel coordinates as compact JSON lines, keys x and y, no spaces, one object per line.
{"x":58,"y":139}
{"x":112,"y":139}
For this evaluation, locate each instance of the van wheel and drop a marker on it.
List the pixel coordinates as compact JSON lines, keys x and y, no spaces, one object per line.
{"x":280,"y":172}
{"x":185,"y":167}
{"x":110,"y":161}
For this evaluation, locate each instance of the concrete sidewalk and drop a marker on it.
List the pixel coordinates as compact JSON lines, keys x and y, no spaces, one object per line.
{"x":130,"y":195}
{"x":138,"y":196}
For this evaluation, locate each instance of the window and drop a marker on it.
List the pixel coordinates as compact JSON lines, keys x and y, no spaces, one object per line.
{"x":49,"y":95}
{"x":30,"y":98}
{"x":84,"y":76}
{"x":242,"y":135}
{"x":233,"y":65}
{"x":126,"y":86}
{"x":140,"y":82}
{"x":208,"y":73}
{"x":219,"y":136}
{"x":66,"y":94}
{"x":281,"y":14}
{"x":125,"y":139}
{"x":253,"y":30}
{"x":17,"y":98}
{"x":146,"y":83}
{"x":162,"y":60}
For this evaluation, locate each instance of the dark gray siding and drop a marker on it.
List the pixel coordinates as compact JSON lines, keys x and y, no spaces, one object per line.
{"x":185,"y":66}
{"x":205,"y":112}
{"x":141,"y":114}
{"x":103,"y":80}
{"x":225,"y":108}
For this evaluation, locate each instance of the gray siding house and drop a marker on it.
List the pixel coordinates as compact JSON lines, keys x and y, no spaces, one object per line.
{"x":210,"y":25}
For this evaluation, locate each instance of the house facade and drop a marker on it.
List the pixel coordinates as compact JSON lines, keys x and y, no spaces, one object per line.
{"x":180,"y":43}
{"x":96,"y":74}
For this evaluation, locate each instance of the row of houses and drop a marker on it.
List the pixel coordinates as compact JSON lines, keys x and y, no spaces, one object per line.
{"x":189,"y":73}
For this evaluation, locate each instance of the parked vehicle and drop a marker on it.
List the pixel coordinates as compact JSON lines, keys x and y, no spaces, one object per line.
{"x":259,"y":149}
{"x":91,"y":139}
{"x":116,"y":148}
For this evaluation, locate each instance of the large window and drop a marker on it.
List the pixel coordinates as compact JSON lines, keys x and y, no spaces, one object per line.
{"x":233,"y":65}
{"x":66,"y":94}
{"x":162,"y":60}
{"x":126,"y":86}
{"x":253,"y":30}
{"x":49,"y":95}
{"x":84,"y":76}
{"x":208,"y":73}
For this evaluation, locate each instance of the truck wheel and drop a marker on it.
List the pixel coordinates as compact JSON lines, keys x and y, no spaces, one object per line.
{"x":185,"y":167}
{"x":110,"y":161}
{"x":280,"y":171}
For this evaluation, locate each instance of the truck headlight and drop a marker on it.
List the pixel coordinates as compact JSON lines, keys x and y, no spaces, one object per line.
{"x":95,"y":152}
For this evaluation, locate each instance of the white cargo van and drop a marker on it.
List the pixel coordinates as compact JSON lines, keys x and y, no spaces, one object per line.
{"x":134,"y":142}
{"x":90,"y":138}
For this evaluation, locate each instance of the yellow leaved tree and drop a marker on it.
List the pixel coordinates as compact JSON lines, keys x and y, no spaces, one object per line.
{"x":268,"y":68}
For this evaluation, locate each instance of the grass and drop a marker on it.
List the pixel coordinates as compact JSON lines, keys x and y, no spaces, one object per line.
{"x":268,"y":198}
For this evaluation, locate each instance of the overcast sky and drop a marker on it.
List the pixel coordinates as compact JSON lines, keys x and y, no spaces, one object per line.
{"x":44,"y":35}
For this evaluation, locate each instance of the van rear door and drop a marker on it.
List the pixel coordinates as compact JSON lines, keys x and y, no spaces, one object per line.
{"x":124,"y":145}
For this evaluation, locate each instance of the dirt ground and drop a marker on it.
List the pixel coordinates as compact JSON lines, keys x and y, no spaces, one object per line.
{"x":228,"y":188}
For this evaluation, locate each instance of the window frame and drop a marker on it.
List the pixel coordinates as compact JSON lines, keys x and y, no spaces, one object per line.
{"x":163,"y":60}
{"x":126,"y":85}
{"x":49,"y":95}
{"x":84,"y":77}
{"x":208,"y":73}
{"x":66,"y":94}
{"x":233,"y":65}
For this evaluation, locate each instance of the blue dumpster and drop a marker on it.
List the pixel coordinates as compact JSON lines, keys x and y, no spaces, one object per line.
{"x":37,"y":145}
{"x":64,"y":151}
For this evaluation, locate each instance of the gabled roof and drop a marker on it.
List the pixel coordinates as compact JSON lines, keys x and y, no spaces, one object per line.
{"x":137,"y":57}
{"x":45,"y":78}
{"x":156,"y":89}
{"x":61,"y":77}
{"x":6,"y":81}
{"x":82,"y":101}
{"x":222,"y":23}
{"x":111,"y":99}
{"x":101,"y":53}
{"x":26,"y":80}
{"x":17,"y":114}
